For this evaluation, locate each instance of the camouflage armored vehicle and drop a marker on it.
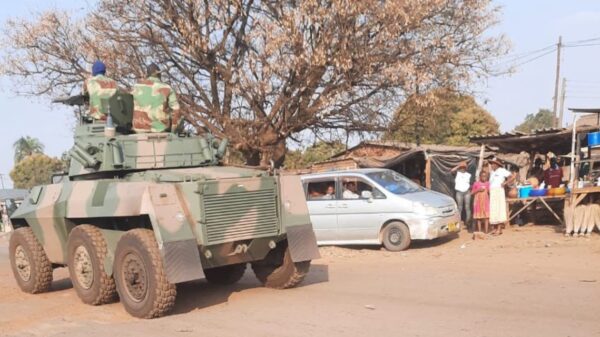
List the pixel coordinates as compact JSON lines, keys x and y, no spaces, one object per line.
{"x":138,"y":213}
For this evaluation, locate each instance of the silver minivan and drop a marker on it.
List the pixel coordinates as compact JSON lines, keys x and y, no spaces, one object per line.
{"x":376,"y":206}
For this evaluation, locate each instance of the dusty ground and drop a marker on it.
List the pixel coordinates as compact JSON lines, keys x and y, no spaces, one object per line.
{"x":529,"y":282}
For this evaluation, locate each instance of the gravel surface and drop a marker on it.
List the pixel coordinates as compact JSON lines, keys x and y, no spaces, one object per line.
{"x":530,"y":282}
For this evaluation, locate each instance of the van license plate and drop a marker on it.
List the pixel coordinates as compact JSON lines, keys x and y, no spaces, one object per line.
{"x":453,"y":227}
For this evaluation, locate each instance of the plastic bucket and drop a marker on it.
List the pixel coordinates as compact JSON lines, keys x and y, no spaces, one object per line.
{"x":524,"y":191}
{"x":594,"y":139}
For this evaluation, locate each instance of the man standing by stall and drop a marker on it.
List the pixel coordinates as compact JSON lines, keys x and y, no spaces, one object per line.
{"x":499,"y":179}
{"x":462,"y":187}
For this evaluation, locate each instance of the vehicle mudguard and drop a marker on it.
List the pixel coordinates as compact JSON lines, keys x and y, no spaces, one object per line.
{"x":301,"y":238}
{"x":171,"y":221}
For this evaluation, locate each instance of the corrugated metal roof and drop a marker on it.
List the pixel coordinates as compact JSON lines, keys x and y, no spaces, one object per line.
{"x":17,"y":194}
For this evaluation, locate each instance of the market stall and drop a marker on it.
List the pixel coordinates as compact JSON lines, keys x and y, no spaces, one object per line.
{"x":539,"y":142}
{"x":582,"y":209}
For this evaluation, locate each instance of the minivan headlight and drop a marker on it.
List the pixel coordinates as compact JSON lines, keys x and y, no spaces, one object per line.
{"x":423,"y":209}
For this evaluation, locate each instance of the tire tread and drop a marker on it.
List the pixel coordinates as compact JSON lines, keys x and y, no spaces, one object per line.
{"x":108,"y":292}
{"x":41,"y":266}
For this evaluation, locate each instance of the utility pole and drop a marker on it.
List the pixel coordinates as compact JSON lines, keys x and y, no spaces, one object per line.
{"x":562,"y":102}
{"x":558,"y":47}
{"x":2,"y":180}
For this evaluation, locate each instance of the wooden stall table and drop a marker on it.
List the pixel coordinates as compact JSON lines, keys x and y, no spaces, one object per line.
{"x":578,"y":194}
{"x":529,"y":201}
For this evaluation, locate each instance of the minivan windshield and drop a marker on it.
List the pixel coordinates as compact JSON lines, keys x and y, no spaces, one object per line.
{"x":394,"y":182}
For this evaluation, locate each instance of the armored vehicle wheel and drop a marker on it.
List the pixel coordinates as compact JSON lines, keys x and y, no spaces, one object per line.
{"x":29,"y":262}
{"x":278,"y":270}
{"x":225,"y":275}
{"x":140,"y":276}
{"x":86,"y":251}
{"x":395,"y":236}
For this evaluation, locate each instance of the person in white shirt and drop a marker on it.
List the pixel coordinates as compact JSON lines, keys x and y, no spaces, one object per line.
{"x":499,"y":178}
{"x":462,"y":186}
{"x":330,"y":193}
{"x":350,"y":191}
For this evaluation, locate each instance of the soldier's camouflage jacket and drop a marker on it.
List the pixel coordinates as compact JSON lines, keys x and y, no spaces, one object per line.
{"x":99,"y":87}
{"x":152,"y":102}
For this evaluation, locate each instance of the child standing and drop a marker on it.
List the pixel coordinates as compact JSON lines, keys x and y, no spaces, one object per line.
{"x":481,"y":201}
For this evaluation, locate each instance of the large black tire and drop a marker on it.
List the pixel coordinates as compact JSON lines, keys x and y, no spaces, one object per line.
{"x":86,"y":251}
{"x":395,"y":236}
{"x":140,"y":275}
{"x":226,"y":274}
{"x":29,"y":262}
{"x":278,"y":270}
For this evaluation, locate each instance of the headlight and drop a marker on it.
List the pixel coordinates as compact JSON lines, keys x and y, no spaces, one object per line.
{"x":423,"y":209}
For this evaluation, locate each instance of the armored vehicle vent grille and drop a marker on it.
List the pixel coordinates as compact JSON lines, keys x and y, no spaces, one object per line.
{"x":239,"y":216}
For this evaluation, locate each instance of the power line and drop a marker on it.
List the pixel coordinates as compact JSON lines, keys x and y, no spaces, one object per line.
{"x":527,"y":53}
{"x":581,"y":81}
{"x":584,"y":41}
{"x":533,"y":59}
{"x":585,"y":97}
{"x":581,"y":45}
{"x":518,"y":57}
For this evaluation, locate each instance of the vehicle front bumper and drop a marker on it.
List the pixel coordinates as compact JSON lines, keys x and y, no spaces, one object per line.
{"x":434,"y":227}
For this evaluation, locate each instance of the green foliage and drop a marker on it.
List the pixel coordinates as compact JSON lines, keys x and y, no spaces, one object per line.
{"x":26,"y":146}
{"x":321,"y":151}
{"x":35,"y":169}
{"x":442,"y":117}
{"x":544,"y":118}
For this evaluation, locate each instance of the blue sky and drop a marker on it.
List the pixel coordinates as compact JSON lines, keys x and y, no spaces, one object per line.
{"x":530,"y":25}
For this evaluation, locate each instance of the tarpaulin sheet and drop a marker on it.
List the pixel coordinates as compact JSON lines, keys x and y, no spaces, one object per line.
{"x":442,"y":180}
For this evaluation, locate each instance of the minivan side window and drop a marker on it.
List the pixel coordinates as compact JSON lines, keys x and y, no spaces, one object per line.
{"x":353,"y":188}
{"x":321,"y":190}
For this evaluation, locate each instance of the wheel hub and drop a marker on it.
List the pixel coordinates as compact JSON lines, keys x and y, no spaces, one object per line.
{"x":135,"y":277}
{"x":83,"y":267}
{"x":22,"y":263}
{"x":395,"y":236}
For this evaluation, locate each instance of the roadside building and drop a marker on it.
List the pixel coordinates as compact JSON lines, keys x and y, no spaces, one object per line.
{"x":9,"y":200}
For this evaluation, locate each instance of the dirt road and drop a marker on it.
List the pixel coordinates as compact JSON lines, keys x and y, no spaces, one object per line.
{"x":529,"y":282}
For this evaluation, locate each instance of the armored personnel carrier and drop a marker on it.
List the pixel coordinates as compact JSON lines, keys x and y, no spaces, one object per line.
{"x":138,"y":213}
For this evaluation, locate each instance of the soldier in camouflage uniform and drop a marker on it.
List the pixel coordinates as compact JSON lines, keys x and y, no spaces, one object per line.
{"x":99,"y":87}
{"x":152,"y":102}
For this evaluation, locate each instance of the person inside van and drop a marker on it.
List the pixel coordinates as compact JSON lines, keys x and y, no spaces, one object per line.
{"x":330,"y":193}
{"x":350,"y":190}
{"x":313,"y":193}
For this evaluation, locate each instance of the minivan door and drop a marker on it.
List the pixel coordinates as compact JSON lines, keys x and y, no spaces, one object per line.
{"x":321,"y":198}
{"x":359,"y":217}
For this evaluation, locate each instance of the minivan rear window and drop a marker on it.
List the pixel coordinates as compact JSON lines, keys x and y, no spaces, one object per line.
{"x":394,"y":182}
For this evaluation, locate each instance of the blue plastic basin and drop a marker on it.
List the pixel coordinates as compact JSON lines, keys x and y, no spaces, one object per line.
{"x":594,"y":139}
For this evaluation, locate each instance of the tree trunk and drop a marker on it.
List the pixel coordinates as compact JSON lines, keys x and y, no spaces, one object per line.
{"x":252,"y":157}
{"x":275,"y":152}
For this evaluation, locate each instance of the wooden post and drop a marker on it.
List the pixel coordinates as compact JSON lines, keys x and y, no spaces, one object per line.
{"x":480,"y":163}
{"x":427,"y":171}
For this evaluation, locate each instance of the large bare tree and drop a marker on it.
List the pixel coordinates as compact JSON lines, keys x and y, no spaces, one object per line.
{"x":262,"y":71}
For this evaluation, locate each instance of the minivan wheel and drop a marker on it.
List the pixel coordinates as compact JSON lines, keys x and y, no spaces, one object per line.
{"x":395,"y":236}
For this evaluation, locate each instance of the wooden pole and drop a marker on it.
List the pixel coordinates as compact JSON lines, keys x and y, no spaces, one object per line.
{"x":480,"y":163}
{"x":562,"y":102}
{"x":573,"y":154}
{"x":427,"y":171}
{"x":555,"y":110}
